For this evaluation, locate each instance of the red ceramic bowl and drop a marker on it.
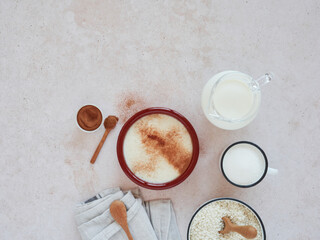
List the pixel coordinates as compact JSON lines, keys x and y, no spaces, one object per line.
{"x":131,"y":175}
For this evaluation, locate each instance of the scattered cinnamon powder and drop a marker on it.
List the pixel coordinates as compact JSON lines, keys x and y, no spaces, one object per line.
{"x":128,"y":104}
{"x":167,"y":144}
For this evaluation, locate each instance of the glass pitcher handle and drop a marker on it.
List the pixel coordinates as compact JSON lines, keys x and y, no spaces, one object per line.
{"x":266,"y":78}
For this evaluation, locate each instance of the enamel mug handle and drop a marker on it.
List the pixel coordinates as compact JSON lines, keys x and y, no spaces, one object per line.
{"x":272,"y":171}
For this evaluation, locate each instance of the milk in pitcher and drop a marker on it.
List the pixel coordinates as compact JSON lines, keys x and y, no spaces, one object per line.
{"x":231,"y":99}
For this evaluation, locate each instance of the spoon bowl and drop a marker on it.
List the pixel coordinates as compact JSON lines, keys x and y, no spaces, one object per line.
{"x":119,"y":213}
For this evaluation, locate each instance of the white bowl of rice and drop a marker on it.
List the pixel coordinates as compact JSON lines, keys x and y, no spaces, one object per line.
{"x":207,"y":221}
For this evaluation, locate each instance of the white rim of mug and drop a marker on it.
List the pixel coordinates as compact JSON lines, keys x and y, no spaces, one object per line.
{"x":86,"y":131}
{"x":249,"y":185}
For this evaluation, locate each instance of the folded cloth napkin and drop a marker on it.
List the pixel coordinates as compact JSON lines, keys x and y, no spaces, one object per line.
{"x":152,"y":220}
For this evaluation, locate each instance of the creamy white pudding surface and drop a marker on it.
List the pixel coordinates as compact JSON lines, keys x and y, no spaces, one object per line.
{"x":157,"y":148}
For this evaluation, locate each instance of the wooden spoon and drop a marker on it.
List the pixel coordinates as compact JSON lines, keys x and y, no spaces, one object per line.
{"x":109,"y":123}
{"x":248,"y":232}
{"x":119,"y":213}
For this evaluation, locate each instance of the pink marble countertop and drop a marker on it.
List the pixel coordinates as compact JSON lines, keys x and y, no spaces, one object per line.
{"x":59,"y":55}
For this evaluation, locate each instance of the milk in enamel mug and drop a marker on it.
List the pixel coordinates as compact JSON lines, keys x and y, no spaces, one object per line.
{"x":244,"y":164}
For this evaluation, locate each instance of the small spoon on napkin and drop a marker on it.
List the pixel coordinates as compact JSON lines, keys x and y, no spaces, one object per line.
{"x":248,"y":232}
{"x":109,"y":123}
{"x":119,"y":213}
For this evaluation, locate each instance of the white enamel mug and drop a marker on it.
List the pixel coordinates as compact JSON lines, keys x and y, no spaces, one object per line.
{"x":244,"y":164}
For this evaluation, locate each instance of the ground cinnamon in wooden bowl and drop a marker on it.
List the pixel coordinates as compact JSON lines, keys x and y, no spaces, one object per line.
{"x":89,"y":118}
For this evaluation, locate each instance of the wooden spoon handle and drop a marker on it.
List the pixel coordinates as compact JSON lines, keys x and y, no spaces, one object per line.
{"x":248,"y":232}
{"x":127,"y":231}
{"x":96,"y":153}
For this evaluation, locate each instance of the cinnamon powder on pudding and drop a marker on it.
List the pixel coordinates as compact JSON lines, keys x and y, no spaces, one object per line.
{"x":158,"y":148}
{"x":165,"y":143}
{"x":89,"y":117}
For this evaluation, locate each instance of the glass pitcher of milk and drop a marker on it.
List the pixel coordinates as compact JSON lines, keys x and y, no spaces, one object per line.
{"x":231,"y":99}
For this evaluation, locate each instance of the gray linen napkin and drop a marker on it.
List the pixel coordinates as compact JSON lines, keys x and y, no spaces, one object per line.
{"x":152,"y":220}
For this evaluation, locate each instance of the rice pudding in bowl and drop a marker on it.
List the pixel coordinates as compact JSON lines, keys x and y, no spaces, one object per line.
{"x":207,"y":220}
{"x":157,"y":148}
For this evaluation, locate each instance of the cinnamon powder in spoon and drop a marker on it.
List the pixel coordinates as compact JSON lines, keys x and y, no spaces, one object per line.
{"x":89,"y":118}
